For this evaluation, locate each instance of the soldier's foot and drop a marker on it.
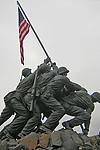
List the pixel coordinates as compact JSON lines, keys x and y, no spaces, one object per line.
{"x":43,"y":129}
{"x":66,"y":125}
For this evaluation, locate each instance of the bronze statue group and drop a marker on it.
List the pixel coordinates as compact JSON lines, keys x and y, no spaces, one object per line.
{"x":47,"y":91}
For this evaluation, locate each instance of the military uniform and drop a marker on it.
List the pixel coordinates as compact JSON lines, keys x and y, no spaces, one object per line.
{"x":13,"y":106}
{"x":35,"y":120}
{"x":48,"y":99}
{"x":80,"y":105}
{"x":16,"y":103}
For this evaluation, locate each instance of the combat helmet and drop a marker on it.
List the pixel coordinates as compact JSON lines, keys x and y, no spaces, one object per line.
{"x":62,"y":70}
{"x":44,"y":68}
{"x":96,"y":96}
{"x":26,"y":72}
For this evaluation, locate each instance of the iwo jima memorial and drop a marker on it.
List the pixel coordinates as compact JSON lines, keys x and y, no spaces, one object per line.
{"x":46,"y":92}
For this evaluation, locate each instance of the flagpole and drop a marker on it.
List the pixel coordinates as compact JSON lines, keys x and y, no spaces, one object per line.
{"x":34,"y":31}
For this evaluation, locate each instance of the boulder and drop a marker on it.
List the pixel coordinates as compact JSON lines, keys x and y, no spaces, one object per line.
{"x":64,"y":139}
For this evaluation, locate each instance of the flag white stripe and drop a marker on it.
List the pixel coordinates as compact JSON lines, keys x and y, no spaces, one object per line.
{"x":23,"y":34}
{"x":22,"y":28}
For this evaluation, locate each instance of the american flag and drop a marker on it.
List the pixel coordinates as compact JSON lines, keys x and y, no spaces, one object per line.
{"x":23,"y":31}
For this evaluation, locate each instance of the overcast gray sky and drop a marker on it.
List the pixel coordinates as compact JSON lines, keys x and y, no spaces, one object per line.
{"x":69,"y":31}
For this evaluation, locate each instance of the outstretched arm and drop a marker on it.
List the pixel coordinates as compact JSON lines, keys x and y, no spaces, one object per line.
{"x":77,"y":87}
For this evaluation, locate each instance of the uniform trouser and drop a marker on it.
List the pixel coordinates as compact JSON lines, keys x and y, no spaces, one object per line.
{"x":5,"y":114}
{"x":81,"y":116}
{"x":21,"y":118}
{"x":56,"y":108}
{"x":32,"y":123}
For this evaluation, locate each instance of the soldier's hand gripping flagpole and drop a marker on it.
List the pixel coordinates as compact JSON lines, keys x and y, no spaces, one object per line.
{"x":34,"y":32}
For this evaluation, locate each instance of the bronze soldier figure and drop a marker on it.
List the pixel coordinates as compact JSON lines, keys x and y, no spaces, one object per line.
{"x":42,"y":81}
{"x":79,"y":104}
{"x":15,"y":103}
{"x":48,"y":98}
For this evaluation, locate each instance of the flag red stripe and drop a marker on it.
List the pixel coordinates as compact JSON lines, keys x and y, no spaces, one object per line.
{"x":23,"y":32}
{"x":25,"y":26}
{"x":22,"y":53}
{"x":22,"y":28}
{"x":22,"y":24}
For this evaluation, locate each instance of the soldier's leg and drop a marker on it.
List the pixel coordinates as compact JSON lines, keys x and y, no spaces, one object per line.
{"x":46,"y":113}
{"x":22,"y":116}
{"x":86,"y":127}
{"x":5,"y":115}
{"x":57,"y":111}
{"x":81,"y":116}
{"x":44,"y":109}
{"x":32,"y":123}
